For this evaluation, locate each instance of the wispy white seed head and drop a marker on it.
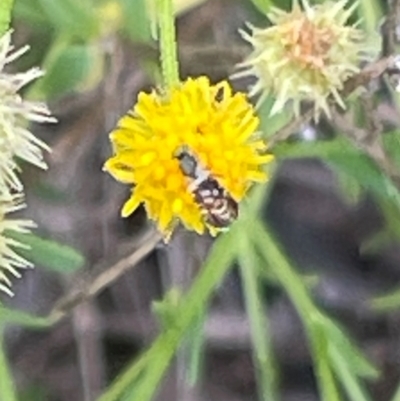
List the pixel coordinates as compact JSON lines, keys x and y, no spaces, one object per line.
{"x":10,"y":260}
{"x":16,"y":141}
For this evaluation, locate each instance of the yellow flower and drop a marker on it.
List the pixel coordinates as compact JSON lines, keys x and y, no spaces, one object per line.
{"x":306,"y":55}
{"x":10,"y":261}
{"x":216,"y":125}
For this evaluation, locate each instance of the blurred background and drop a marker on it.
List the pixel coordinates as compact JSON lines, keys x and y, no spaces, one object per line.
{"x":98,"y":55}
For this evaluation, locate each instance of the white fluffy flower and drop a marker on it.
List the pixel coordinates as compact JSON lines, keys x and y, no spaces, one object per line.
{"x":10,"y":261}
{"x":16,"y":141}
{"x":305,"y":55}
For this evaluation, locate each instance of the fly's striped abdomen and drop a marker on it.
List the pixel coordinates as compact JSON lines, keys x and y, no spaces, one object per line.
{"x":218,"y":207}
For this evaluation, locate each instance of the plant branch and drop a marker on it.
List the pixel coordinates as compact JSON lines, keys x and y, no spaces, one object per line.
{"x":96,"y":281}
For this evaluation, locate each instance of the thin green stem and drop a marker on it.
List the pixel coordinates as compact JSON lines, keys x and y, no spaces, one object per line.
{"x":304,"y":304}
{"x":169,"y":59}
{"x":266,"y":369}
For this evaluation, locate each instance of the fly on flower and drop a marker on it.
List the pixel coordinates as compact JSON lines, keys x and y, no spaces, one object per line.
{"x":190,"y":153}
{"x":217,"y":206}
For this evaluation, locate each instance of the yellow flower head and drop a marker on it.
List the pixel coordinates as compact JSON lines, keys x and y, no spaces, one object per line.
{"x":212,"y":124}
{"x":307,"y":54}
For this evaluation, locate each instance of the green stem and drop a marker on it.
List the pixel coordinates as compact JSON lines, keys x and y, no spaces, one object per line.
{"x":266,"y":369}
{"x":169,"y":59}
{"x":7,"y":388}
{"x":5,"y":15}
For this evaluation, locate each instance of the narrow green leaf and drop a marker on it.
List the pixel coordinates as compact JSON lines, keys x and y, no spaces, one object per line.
{"x":346,"y":160}
{"x":375,"y":243}
{"x":319,"y":349}
{"x":371,"y":14}
{"x":195,"y":345}
{"x":266,"y":369}
{"x":387,"y":302}
{"x":20,"y":318}
{"x":321,"y":331}
{"x":355,"y":360}
{"x":5,"y":15}
{"x":124,"y":382}
{"x":7,"y":388}
{"x":282,"y":269}
{"x":302,"y":301}
{"x":49,"y":254}
{"x":354,"y":390}
{"x":343,"y":156}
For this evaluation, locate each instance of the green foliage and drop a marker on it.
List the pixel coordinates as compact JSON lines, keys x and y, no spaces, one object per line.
{"x":74,"y":60}
{"x":195,"y":347}
{"x":5,"y":15}
{"x":332,"y":350}
{"x":371,"y":12}
{"x":342,"y":155}
{"x":262,"y":5}
{"x":72,"y":17}
{"x":7,"y":389}
{"x":70,"y":67}
{"x":49,"y":254}
{"x":74,"y":30}
{"x":20,"y":318}
{"x":266,"y":368}
{"x":325,"y":339}
{"x":387,"y":302}
{"x":396,"y":396}
{"x":31,"y":13}
{"x":136,"y":20}
{"x":165,"y":309}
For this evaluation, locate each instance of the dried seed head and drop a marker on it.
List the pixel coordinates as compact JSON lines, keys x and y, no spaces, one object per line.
{"x":306,"y":55}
